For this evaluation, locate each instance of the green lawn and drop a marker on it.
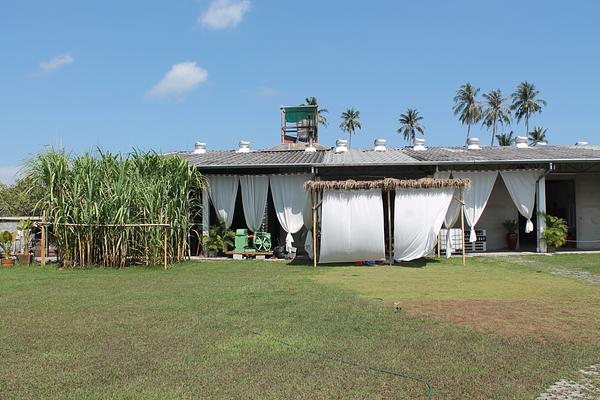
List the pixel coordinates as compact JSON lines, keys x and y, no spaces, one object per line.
{"x":499,"y":328}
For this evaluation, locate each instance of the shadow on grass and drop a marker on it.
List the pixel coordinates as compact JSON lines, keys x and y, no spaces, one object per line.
{"x":420,"y":263}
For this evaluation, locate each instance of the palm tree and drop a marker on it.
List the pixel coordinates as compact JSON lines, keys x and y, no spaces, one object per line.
{"x":537,"y":135}
{"x":312,"y":101}
{"x":350,"y":122}
{"x":495,"y":112}
{"x":466,"y":106}
{"x":525,"y":103}
{"x":410,"y":125}
{"x":505,"y":139}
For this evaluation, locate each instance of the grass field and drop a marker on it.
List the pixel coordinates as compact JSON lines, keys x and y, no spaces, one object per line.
{"x":499,"y":328}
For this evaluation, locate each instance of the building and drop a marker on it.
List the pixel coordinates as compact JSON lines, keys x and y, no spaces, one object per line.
{"x":568,"y":184}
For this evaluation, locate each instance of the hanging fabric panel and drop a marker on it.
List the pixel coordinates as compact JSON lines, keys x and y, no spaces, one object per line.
{"x":477,"y":196}
{"x":223,"y":191}
{"x":453,"y":211}
{"x":254,"y":190}
{"x":418,"y":218}
{"x":521,"y":187}
{"x":289,"y":198}
{"x":352,"y":226}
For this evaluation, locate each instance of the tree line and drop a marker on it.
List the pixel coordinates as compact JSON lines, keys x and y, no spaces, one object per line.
{"x":495,"y":112}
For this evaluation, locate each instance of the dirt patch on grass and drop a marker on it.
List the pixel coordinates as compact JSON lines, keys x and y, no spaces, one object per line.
{"x":544,"y":320}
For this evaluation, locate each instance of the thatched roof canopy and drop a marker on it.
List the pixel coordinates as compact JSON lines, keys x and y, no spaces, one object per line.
{"x":387,"y":184}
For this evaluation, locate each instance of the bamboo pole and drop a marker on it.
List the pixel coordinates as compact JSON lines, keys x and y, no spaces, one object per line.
{"x":389,"y":210}
{"x":462,"y":226}
{"x":43,"y":247}
{"x":165,"y":237}
{"x":314,"y":194}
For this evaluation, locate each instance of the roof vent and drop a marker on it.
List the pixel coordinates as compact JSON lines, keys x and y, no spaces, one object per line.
{"x":310,"y":149}
{"x":581,"y":143}
{"x":244,"y":147}
{"x":200,"y":148}
{"x":380,"y":145}
{"x":521,"y":142}
{"x":473,"y":143}
{"x":341,"y":146}
{"x":419,"y":144}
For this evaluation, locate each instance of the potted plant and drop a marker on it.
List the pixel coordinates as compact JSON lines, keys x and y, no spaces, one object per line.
{"x":7,"y":239}
{"x":25,"y":256}
{"x":219,"y":239}
{"x":555,"y":233}
{"x":511,"y":227}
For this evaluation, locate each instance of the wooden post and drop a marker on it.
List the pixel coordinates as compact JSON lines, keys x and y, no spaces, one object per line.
{"x":439,"y":250}
{"x":43,"y":245}
{"x":389,"y":211}
{"x":314,"y":194}
{"x":462,"y":226}
{"x":166,"y":248}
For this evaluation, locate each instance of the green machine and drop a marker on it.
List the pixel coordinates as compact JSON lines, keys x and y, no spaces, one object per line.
{"x":261,"y":241}
{"x":242,"y":241}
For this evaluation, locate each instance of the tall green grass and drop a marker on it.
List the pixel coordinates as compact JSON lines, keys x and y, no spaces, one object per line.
{"x":95,"y":190}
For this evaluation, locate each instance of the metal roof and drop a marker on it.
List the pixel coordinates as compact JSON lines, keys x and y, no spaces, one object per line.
{"x":260,"y":158}
{"x":367,"y":157}
{"x":503,"y":154}
{"x":393,"y":156}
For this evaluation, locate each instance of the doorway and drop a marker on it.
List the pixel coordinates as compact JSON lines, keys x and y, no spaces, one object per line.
{"x":560,"y":202}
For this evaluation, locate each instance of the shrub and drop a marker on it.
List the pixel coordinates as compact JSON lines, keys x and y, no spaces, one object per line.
{"x":220,"y":237}
{"x":555,"y":233}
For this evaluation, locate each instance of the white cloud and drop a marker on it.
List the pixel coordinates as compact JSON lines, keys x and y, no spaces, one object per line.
{"x":180,"y":79}
{"x":8,"y":175}
{"x":265,"y":91}
{"x":56,"y":63}
{"x":223,"y":14}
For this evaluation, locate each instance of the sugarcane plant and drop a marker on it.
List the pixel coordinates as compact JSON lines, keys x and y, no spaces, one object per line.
{"x":105,"y":209}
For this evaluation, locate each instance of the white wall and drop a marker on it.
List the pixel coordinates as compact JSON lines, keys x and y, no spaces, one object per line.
{"x":587,"y":209}
{"x":500,"y":207}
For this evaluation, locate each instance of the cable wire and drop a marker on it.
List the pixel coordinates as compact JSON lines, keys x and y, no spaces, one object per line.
{"x":353,"y":364}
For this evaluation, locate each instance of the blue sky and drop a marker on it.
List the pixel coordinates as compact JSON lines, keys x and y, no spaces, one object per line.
{"x":164,"y":74}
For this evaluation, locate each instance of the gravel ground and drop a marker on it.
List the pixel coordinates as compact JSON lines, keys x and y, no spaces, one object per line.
{"x":584,"y":386}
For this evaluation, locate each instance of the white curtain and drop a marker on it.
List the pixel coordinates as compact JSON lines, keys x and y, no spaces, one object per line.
{"x":477,"y":196}
{"x":352,"y":226}
{"x":254,"y":199}
{"x":289,"y":198}
{"x":223,"y":191}
{"x":521,"y":186}
{"x":418,"y":218}
{"x":453,"y":211}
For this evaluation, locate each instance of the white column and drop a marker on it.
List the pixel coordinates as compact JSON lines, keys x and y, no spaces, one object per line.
{"x":540,"y":200}
{"x":205,"y":218}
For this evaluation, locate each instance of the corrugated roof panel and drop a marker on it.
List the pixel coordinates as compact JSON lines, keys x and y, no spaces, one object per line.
{"x":367,"y":157}
{"x":502,"y":154}
{"x":254,"y":158}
